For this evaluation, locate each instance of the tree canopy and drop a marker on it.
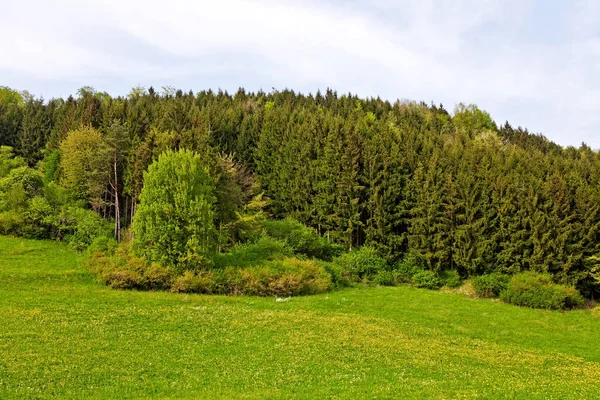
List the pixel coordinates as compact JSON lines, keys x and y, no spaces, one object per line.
{"x":453,"y":190}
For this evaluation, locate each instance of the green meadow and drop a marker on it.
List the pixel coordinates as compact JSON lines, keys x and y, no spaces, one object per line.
{"x":63,"y":334}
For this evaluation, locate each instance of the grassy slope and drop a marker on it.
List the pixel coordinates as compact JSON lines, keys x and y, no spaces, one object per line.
{"x":63,"y":334}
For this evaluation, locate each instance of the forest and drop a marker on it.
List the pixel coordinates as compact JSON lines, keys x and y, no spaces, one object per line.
{"x":195,"y":190}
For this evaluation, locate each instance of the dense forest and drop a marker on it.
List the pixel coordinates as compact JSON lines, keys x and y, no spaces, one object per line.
{"x":452,"y":190}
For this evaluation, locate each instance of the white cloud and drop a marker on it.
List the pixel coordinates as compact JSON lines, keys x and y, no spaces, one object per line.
{"x":446,"y":51}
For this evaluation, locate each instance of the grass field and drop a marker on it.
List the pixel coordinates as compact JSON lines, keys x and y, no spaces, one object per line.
{"x":64,"y":335}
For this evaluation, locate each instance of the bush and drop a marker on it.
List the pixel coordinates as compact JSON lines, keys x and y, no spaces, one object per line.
{"x":158,"y":277}
{"x":10,"y":223}
{"x":450,"y":278}
{"x":24,"y":208}
{"x":302,"y":239}
{"x":124,"y":279}
{"x":384,"y":278}
{"x":102,"y":244}
{"x":426,"y":280}
{"x":338,"y":278}
{"x":120,"y":269}
{"x":228,"y":281}
{"x":405,"y":269}
{"x":536,"y":290}
{"x":286,"y":277}
{"x":490,"y":285}
{"x":40,"y":219}
{"x":361,"y":264}
{"x":250,"y":254}
{"x":313,"y":277}
{"x":85,"y":226}
{"x":8,"y":161}
{"x":190,"y":282}
{"x":19,"y":185}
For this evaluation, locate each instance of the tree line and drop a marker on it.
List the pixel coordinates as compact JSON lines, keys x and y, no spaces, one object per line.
{"x":453,"y":191}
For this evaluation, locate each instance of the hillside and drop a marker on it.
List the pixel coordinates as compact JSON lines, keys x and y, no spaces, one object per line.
{"x":453,"y":190}
{"x":65,"y":335}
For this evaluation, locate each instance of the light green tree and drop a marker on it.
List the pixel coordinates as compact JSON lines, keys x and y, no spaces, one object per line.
{"x":174,"y":224}
{"x":85,"y":165}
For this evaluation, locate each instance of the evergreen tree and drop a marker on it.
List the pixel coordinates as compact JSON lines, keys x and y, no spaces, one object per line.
{"x":35,"y":131}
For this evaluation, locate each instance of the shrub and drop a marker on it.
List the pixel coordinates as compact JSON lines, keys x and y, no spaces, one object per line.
{"x":124,"y":279}
{"x":384,"y":278}
{"x":286,"y":277}
{"x":102,"y":244}
{"x":228,"y":281}
{"x":426,"y":280}
{"x":286,"y":284}
{"x":313,"y":277}
{"x":450,"y":278}
{"x":8,"y":161}
{"x":360,"y":264}
{"x":21,"y":207}
{"x":255,"y":280}
{"x":24,"y":210}
{"x":338,"y":278}
{"x":10,"y":223}
{"x":405,"y":269}
{"x":100,"y":263}
{"x":490,"y":285}
{"x":158,"y":277}
{"x":536,"y":290}
{"x":249,"y":254}
{"x":190,"y":282}
{"x":57,"y":196}
{"x":19,"y":185}
{"x":119,"y":268}
{"x":85,"y":226}
{"x":302,"y":239}
{"x":40,"y":219}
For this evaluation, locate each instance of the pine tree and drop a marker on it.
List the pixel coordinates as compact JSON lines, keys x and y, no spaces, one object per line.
{"x":35,"y":131}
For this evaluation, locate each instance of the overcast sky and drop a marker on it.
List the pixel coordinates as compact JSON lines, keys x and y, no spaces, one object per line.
{"x":533,"y":63}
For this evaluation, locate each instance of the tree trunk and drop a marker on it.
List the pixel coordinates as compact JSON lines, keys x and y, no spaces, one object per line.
{"x":117,"y":210}
{"x":125,"y":211}
{"x":132,"y":215}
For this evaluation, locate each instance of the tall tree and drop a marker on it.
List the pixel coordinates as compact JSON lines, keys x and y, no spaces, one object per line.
{"x":86,"y":165}
{"x":11,"y":115}
{"x":174,"y":224}
{"x":35,"y":130}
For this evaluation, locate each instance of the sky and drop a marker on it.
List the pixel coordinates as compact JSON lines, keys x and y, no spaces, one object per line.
{"x":534,"y":63}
